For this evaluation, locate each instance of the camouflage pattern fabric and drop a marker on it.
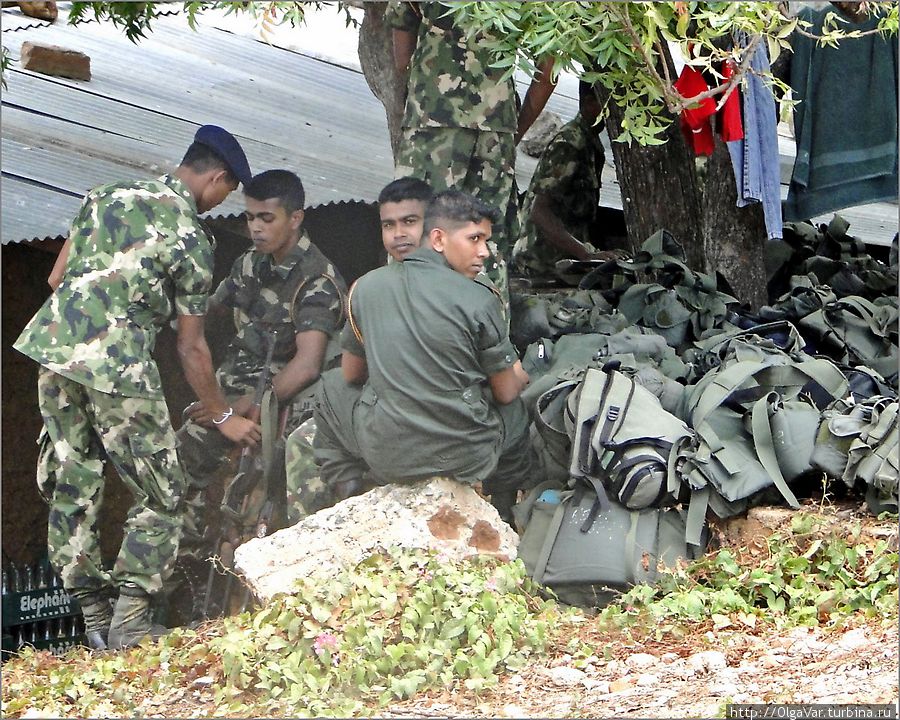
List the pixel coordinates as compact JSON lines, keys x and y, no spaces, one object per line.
{"x":304,"y":292}
{"x":459,"y":121}
{"x":306,"y":493}
{"x":451,"y":81}
{"x":129,"y":241}
{"x":479,"y":163}
{"x":81,"y":426}
{"x":568,"y":173}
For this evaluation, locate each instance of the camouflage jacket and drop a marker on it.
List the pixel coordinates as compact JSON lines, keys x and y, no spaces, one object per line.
{"x":569,"y":175}
{"x":303,"y":292}
{"x":451,"y":81}
{"x":137,"y":253}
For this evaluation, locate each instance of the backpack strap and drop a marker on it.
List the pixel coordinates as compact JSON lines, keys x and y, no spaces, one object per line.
{"x":594,"y":388}
{"x":540,"y":566}
{"x":764,"y":444}
{"x":631,"y":543}
{"x":696,"y":515}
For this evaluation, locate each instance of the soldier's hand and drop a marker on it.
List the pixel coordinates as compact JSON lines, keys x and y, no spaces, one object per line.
{"x":240,"y":430}
{"x":198,"y":413}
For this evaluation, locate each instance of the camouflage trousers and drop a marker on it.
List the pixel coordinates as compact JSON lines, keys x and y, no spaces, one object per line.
{"x":341,"y":459}
{"x":306,"y":493}
{"x":481,"y":163}
{"x":208,"y":457}
{"x":82,"y":426}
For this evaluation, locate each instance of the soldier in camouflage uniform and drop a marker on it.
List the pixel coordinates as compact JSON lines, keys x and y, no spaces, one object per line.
{"x":429,"y":382}
{"x":564,"y":193}
{"x":401,"y":209}
{"x":460,"y":125}
{"x":283,"y":288}
{"x":135,"y":254}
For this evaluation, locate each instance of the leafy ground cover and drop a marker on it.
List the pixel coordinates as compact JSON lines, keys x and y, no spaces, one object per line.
{"x":410,"y":634}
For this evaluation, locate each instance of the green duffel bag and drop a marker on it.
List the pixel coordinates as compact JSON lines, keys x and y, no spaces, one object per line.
{"x":587,"y":552}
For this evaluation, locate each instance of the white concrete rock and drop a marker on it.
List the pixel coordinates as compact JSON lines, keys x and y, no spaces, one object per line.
{"x":641,"y":660}
{"x":439,"y":514}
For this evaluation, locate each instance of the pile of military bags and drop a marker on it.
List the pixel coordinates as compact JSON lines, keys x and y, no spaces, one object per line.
{"x":658,"y":402}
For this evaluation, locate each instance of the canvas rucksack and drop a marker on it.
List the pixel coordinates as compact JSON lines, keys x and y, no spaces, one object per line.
{"x":855,"y":331}
{"x":587,"y":551}
{"x":857,"y":442}
{"x":756,"y":421}
{"x":623,"y":441}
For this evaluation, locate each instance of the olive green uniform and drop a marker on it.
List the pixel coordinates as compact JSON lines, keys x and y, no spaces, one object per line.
{"x":431,"y":338}
{"x":138,"y":253}
{"x":459,"y":122}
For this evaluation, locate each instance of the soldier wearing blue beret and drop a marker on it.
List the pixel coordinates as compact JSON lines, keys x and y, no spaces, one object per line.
{"x":136,"y":253}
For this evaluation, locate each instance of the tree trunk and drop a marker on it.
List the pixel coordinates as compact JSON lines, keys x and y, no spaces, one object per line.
{"x":662,"y":187}
{"x":376,"y":58}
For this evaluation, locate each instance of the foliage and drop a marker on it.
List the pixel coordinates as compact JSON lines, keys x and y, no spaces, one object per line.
{"x":399,"y":623}
{"x":625,"y":46}
{"x":807,"y":577}
{"x":136,"y":19}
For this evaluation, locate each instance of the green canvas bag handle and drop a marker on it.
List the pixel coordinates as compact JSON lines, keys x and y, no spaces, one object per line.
{"x":765,"y":446}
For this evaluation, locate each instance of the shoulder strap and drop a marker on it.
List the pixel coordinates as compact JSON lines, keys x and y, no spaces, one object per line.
{"x":353,"y":325}
{"x":764,"y":444}
{"x":337,"y":288}
{"x":540,"y":567}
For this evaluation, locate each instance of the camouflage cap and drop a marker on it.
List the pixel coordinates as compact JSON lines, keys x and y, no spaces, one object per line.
{"x":228,"y":148}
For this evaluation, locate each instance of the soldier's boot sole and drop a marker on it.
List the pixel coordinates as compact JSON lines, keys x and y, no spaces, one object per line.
{"x":503,"y":501}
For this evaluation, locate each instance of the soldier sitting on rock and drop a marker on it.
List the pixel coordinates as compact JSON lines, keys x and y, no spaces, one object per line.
{"x":429,"y":382}
{"x":283,"y":290}
{"x":401,"y":209}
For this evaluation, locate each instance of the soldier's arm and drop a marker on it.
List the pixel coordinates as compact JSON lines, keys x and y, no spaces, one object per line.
{"x":540,"y":90}
{"x":59,"y":267}
{"x":196,"y":361}
{"x":404,"y":22}
{"x":404,"y":47}
{"x":508,"y":384}
{"x":304,"y":368}
{"x":554,"y":231}
{"x":354,"y":368}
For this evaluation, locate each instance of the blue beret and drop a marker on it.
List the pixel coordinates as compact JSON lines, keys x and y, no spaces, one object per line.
{"x":226,"y":147}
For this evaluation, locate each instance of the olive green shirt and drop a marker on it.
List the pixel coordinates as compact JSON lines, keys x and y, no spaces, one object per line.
{"x":431,"y":338}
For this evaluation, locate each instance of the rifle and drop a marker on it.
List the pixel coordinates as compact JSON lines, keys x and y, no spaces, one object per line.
{"x":244,"y":481}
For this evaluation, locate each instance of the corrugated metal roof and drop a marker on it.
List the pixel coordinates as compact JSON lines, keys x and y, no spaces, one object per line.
{"x":144,"y":102}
